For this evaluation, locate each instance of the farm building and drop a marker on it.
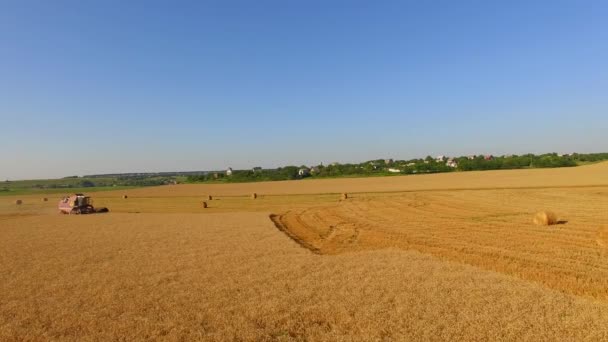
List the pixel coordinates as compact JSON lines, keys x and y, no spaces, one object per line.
{"x":452,"y":163}
{"x":257,"y":169}
{"x":394,"y":170}
{"x":488,"y":157}
{"x":440,"y":159}
{"x":315,"y":169}
{"x":229,"y":172}
{"x":303,"y":172}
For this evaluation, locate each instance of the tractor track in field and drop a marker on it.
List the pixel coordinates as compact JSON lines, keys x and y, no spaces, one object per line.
{"x":322,"y":230}
{"x":491,"y":230}
{"x":278,"y":222}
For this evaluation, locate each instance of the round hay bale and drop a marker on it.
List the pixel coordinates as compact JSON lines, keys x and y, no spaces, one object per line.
{"x":344,"y":196}
{"x":45,"y":199}
{"x":209,"y":198}
{"x":18,"y":202}
{"x":125,"y":196}
{"x":545,"y":218}
{"x":602,"y":237}
{"x":254,"y":195}
{"x":204,"y":205}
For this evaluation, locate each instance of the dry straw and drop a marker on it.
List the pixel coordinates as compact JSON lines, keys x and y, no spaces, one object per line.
{"x":602,"y":236}
{"x":545,"y":218}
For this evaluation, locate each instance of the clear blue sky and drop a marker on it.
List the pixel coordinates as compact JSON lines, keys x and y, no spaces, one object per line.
{"x":118,"y":86}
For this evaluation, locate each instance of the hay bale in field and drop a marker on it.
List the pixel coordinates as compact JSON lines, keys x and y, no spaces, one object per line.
{"x":545,"y":218}
{"x":18,"y":202}
{"x":204,"y":205}
{"x":125,"y":196}
{"x":209,"y":198}
{"x":254,"y":195}
{"x":44,"y":199}
{"x":602,"y":237}
{"x":344,"y":196}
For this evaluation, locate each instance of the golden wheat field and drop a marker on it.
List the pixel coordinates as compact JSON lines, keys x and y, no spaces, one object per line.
{"x":431,"y":257}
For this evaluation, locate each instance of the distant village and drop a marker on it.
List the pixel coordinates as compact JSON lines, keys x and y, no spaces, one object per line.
{"x":441,"y":163}
{"x":429,"y":164}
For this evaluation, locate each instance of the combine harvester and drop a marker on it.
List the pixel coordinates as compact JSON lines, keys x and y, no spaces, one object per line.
{"x":79,"y":204}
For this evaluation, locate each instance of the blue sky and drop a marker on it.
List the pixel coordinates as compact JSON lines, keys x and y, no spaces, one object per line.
{"x":119,"y":86}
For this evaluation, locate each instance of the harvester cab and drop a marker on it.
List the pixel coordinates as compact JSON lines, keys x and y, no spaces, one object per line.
{"x":79,"y":204}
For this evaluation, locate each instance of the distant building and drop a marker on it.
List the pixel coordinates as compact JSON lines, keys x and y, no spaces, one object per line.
{"x":394,"y":170}
{"x":411,"y":164}
{"x":304,"y":172}
{"x":452,"y":163}
{"x":315,"y":169}
{"x":388,"y":161}
{"x":440,"y":159}
{"x":488,"y":157}
{"x":471,"y":157}
{"x":257,"y":169}
{"x":229,"y":172}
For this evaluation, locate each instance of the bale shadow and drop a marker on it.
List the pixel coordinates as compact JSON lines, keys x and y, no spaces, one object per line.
{"x":561,"y":222}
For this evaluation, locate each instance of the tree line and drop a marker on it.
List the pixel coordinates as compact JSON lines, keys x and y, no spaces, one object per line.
{"x":381,"y":167}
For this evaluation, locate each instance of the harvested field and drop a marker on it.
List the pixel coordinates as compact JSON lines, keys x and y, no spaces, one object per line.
{"x":602,"y":236}
{"x":490,"y":229}
{"x":234,"y":276}
{"x":437,"y":257}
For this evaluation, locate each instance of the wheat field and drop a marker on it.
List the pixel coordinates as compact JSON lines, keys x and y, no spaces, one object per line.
{"x":433,"y":257}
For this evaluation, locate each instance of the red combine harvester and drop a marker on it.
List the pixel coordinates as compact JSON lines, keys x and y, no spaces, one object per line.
{"x":79,"y":204}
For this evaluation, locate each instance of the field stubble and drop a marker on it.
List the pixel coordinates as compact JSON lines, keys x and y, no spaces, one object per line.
{"x":412,"y":263}
{"x":235,"y":277}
